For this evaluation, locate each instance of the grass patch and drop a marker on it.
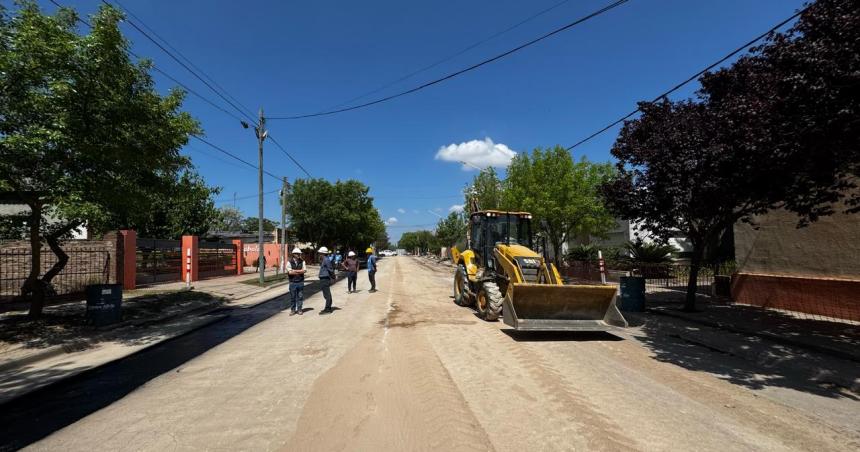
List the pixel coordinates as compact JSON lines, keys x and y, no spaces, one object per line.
{"x":268,"y":281}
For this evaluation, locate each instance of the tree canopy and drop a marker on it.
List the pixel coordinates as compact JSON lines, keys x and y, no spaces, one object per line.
{"x":564,"y":197}
{"x":778,"y":128}
{"x":84,"y":135}
{"x":486,"y":188}
{"x":451,"y":229}
{"x":339,"y":214}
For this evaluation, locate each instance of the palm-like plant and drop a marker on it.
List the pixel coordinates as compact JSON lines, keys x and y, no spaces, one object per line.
{"x":649,"y":253}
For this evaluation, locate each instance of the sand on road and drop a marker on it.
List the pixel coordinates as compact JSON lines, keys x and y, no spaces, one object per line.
{"x":406,"y":369}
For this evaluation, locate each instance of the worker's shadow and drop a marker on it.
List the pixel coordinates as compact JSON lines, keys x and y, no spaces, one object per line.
{"x":561,"y":336}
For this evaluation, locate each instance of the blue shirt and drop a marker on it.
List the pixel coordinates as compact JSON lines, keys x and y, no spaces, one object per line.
{"x":371,"y":263}
{"x":326,"y":268}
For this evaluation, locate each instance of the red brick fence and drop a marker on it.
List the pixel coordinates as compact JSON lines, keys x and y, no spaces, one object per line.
{"x":121,"y":257}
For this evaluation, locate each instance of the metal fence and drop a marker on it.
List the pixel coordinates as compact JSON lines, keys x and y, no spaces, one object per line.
{"x":86,"y":265}
{"x":216,"y":259}
{"x":158,"y":261}
{"x":658,"y":277}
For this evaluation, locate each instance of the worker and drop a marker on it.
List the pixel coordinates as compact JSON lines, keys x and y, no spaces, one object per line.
{"x":326,"y":277}
{"x":296,"y":272}
{"x":350,"y":264}
{"x":371,"y":269}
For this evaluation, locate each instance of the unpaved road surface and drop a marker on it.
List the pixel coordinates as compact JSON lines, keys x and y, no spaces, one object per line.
{"x":406,"y":369}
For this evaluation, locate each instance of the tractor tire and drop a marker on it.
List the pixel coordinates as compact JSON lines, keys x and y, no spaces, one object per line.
{"x":461,"y":282}
{"x":489,"y":301}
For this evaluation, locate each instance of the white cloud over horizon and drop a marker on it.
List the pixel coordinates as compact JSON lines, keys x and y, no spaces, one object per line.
{"x":456,"y":208}
{"x":401,"y":210}
{"x":390,"y":221}
{"x":480,"y":153}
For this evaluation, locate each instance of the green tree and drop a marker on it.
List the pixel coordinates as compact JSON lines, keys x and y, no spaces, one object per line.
{"x":251,"y":225}
{"x":339,"y":214}
{"x":228,"y":218}
{"x":564,"y":197}
{"x":84,"y":135}
{"x":451,"y":229}
{"x":485,"y":189}
{"x":422,"y":240}
{"x":180,"y":206}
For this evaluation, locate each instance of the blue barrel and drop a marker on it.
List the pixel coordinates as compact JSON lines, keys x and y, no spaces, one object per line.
{"x":632,"y":293}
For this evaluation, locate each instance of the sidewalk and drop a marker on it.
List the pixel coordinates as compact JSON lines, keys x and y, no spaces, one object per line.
{"x":60,"y":345}
{"x":840,"y":339}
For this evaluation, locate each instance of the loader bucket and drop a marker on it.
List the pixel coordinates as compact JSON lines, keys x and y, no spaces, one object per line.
{"x":546,"y":307}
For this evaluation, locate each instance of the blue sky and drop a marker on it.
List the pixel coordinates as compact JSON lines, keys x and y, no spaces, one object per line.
{"x":302,"y":57}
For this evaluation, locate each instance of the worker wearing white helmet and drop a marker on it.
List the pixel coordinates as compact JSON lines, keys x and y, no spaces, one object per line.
{"x":350,"y":265}
{"x":296,"y":272}
{"x":326,"y":278}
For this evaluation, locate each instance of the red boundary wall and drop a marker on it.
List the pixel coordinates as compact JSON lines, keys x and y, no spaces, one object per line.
{"x":837,"y":298}
{"x":271,"y":250}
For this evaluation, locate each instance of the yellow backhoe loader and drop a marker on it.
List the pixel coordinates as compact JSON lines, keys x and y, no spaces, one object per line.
{"x":499,"y":274}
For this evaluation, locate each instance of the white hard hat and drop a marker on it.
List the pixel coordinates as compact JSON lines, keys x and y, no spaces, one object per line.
{"x":351,"y":254}
{"x":323,"y":250}
{"x":296,"y":250}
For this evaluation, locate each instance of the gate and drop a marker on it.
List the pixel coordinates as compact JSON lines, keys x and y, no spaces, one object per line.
{"x":216,"y":259}
{"x":158,"y":261}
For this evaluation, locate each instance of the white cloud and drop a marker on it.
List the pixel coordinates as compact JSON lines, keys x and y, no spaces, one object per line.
{"x":401,"y":210}
{"x":438,"y":209}
{"x":415,"y":211}
{"x":479,"y":153}
{"x":391,"y":221}
{"x":456,"y":208}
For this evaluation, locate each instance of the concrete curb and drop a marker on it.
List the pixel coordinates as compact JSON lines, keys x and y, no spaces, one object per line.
{"x":762,"y":334}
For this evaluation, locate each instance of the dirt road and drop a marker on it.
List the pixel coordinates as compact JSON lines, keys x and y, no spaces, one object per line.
{"x":406,"y":369}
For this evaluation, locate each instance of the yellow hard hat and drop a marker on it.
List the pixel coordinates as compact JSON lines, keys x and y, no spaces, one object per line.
{"x":369,"y":251}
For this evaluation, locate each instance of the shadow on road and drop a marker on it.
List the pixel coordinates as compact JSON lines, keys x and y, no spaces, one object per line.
{"x":561,"y":336}
{"x":746,"y":360}
{"x":36,"y":415}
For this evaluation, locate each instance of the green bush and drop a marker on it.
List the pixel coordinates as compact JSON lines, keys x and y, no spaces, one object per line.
{"x":649,"y":253}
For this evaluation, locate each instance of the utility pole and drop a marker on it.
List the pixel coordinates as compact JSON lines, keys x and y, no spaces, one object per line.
{"x":261,"y":259}
{"x":283,"y":256}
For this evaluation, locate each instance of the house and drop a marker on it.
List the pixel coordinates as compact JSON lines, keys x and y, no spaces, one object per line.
{"x":629,"y":231}
{"x":12,"y":207}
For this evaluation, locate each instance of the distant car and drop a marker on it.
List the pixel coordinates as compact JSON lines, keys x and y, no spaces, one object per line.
{"x":387,"y":253}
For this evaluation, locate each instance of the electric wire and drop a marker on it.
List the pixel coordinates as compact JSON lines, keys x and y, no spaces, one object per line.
{"x":691,"y":78}
{"x":234,"y":156}
{"x":188,"y":89}
{"x":461,"y":71}
{"x":222,"y":200}
{"x":181,"y":55}
{"x":181,"y":63}
{"x":455,"y":55}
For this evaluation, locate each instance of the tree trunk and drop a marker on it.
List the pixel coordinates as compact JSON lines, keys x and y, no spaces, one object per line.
{"x":33,"y":285}
{"x":695,"y":264}
{"x":556,"y":251}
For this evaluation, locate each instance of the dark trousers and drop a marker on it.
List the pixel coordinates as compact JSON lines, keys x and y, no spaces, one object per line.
{"x":372,"y":276}
{"x":297,"y":295}
{"x":351,"y":280}
{"x":325,"y":286}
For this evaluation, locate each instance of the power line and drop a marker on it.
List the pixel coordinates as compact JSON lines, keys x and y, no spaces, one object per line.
{"x":462,"y":71}
{"x":245,"y":197}
{"x":181,"y":63}
{"x":288,"y":155}
{"x":181,"y":55}
{"x":157,"y":69}
{"x":244,"y":110}
{"x":188,"y":89}
{"x":234,"y":156}
{"x":455,"y":55}
{"x":693,"y":77}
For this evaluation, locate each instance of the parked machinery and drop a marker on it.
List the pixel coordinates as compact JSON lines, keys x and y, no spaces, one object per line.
{"x":500,"y":275}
